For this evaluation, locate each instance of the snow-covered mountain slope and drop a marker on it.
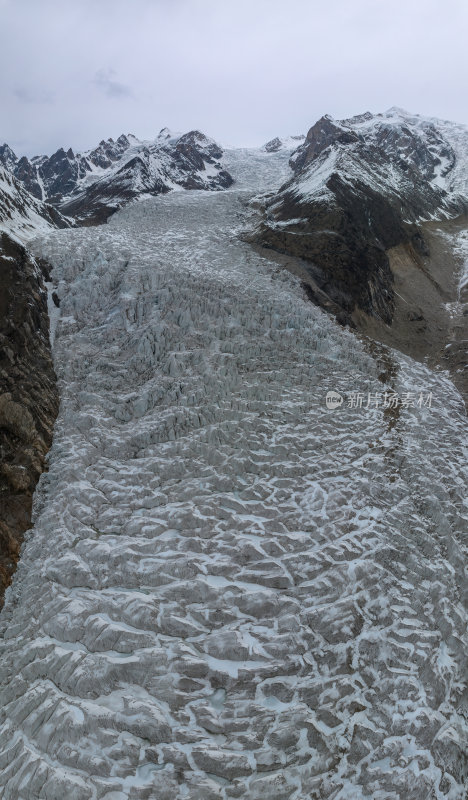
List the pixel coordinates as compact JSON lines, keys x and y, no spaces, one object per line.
{"x":191,"y":161}
{"x":21,"y":214}
{"x":283,"y":143}
{"x":360,"y":187}
{"x":92,"y":185}
{"x":397,"y":154}
{"x":230,"y":590}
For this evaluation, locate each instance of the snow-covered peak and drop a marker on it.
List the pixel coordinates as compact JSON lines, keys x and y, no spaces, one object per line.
{"x":362,"y":186}
{"x":107,"y":152}
{"x":392,"y":151}
{"x":7,"y":157}
{"x":118,"y":172}
{"x":283,"y":143}
{"x":22,"y":215}
{"x":164,"y":133}
{"x":167,"y":135}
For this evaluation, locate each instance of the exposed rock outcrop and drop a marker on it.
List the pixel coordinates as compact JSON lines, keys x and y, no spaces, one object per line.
{"x":27,"y":174}
{"x":28,"y":394}
{"x":8,"y":158}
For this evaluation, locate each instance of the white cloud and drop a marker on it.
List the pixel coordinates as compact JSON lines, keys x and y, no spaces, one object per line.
{"x":28,"y":95}
{"x":105,"y":79}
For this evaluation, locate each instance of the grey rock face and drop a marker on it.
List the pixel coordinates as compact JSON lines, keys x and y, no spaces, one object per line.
{"x":8,"y":157}
{"x":273,"y":145}
{"x":60,"y":174}
{"x":28,"y":395}
{"x":324,"y":133}
{"x":26,"y":173}
{"x":109,"y":151}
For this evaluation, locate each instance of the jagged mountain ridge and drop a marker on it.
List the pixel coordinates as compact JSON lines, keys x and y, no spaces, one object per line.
{"x":23,"y":215}
{"x":90,"y":186}
{"x":360,"y":187}
{"x":59,"y":174}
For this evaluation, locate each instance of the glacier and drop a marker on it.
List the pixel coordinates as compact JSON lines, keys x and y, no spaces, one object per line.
{"x":230,"y":590}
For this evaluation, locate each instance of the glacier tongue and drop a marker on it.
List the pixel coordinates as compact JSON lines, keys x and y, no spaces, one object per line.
{"x":231,"y":591}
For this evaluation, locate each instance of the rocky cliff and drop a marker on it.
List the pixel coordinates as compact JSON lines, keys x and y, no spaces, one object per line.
{"x":28,"y":394}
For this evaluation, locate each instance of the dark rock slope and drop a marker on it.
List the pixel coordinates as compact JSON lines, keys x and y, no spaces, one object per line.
{"x":360,"y":187}
{"x":28,"y":394}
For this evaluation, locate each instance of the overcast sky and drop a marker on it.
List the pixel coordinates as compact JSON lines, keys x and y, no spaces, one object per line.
{"x":74,"y":71}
